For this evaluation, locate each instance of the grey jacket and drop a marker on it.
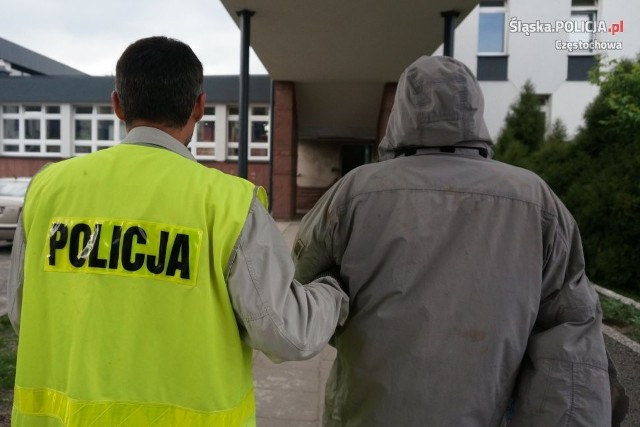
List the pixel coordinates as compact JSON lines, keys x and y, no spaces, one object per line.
{"x":465,"y":275}
{"x":281,"y":317}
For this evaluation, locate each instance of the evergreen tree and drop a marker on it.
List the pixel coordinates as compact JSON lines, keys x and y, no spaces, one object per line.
{"x":557,"y":161}
{"x":524,"y":129}
{"x":557,"y":134}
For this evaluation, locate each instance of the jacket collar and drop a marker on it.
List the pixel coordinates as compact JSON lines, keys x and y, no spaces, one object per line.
{"x":152,"y":137}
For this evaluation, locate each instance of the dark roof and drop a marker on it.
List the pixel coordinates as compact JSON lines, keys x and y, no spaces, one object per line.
{"x":30,"y":62}
{"x":225,"y":89}
{"x":89,"y":89}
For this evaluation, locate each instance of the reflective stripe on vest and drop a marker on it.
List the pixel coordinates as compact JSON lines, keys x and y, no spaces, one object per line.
{"x":78,"y":413}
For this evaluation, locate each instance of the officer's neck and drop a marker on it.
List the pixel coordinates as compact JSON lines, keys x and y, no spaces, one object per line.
{"x":183,"y":134}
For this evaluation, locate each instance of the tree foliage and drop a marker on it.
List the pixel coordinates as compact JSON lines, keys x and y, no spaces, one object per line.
{"x":597,"y":174}
{"x":524,"y":128}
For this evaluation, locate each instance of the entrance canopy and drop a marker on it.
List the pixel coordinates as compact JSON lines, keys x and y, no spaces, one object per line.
{"x":340,"y":53}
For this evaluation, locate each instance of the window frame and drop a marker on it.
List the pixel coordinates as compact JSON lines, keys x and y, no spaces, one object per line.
{"x":494,"y":10}
{"x":583,"y":10}
{"x":94,"y":143}
{"x":252,"y":145}
{"x":37,"y":113}
{"x":195,"y":145}
{"x":69,"y":145}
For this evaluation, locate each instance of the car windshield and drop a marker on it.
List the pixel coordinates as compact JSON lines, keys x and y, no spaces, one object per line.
{"x":13,"y":188}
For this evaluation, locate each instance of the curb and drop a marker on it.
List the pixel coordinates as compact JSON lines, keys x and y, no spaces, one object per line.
{"x":621,"y":339}
{"x":613,"y":295}
{"x":612,"y":333}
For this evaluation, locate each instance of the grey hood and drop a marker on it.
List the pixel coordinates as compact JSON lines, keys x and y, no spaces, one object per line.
{"x":438,"y":103}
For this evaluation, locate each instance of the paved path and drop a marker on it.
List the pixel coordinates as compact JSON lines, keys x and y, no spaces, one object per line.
{"x":291,"y":394}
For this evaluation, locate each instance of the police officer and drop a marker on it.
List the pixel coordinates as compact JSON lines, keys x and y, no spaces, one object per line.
{"x":141,"y":279}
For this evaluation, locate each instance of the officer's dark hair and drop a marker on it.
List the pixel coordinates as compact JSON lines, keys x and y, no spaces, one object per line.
{"x":158,"y":79}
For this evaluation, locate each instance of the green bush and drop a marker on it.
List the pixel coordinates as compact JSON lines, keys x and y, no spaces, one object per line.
{"x":597,"y":175}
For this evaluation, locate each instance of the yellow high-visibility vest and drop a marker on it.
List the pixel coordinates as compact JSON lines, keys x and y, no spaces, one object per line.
{"x":126,"y":319}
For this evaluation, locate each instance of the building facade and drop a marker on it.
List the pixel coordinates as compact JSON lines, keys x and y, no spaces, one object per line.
{"x":323,"y":110}
{"x":551,"y":43}
{"x":47,"y":119}
{"x":50,"y":112}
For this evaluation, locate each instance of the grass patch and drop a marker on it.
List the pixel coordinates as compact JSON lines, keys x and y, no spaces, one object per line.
{"x":623,"y":317}
{"x":8,"y":349}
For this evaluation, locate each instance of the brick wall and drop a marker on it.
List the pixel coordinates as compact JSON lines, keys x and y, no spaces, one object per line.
{"x":306,"y":197}
{"x":258,"y":173}
{"x":16,"y":166}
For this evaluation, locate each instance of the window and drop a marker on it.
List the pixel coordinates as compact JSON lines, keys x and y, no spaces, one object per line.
{"x":52,"y":129}
{"x":258,"y":132}
{"x":31,"y":130}
{"x":95,"y":127}
{"x":11,"y":129}
{"x":233,"y":133}
{"x":581,"y":60}
{"x":491,"y":28}
{"x":492,"y":68}
{"x":578,"y":67}
{"x":583,"y":12}
{"x":492,"y":58}
{"x":584,"y":3}
{"x":203,"y":143}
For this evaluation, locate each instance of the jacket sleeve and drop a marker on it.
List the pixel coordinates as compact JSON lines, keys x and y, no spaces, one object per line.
{"x":280,"y":316}
{"x":564,"y":379}
{"x":315,"y":249}
{"x":16,"y":276}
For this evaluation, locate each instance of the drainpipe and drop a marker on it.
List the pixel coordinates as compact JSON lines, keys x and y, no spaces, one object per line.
{"x":245,"y":40}
{"x":449,"y":31}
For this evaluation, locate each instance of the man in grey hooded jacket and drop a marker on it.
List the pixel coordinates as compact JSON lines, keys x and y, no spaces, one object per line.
{"x":465,"y":275}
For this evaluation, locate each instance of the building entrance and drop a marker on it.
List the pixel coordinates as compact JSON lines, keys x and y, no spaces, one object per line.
{"x":354,"y":155}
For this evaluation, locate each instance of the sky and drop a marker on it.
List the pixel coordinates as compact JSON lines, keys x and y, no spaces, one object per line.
{"x":90,"y":35}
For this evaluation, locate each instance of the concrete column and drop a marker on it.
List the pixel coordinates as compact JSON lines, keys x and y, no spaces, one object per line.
{"x":285,"y":151}
{"x":449,"y":31}
{"x":245,"y":42}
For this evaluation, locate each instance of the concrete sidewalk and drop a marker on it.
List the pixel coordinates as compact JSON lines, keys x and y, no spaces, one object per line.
{"x":291,"y":394}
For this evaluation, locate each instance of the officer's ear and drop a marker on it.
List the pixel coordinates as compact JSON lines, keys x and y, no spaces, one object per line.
{"x":117,"y":106}
{"x":198,"y":109}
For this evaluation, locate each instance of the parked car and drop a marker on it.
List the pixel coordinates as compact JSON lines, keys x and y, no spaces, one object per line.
{"x":12,"y":192}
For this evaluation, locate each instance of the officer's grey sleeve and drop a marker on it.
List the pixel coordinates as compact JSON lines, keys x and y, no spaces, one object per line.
{"x":16,"y":276}
{"x":281,"y":317}
{"x":564,"y":378}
